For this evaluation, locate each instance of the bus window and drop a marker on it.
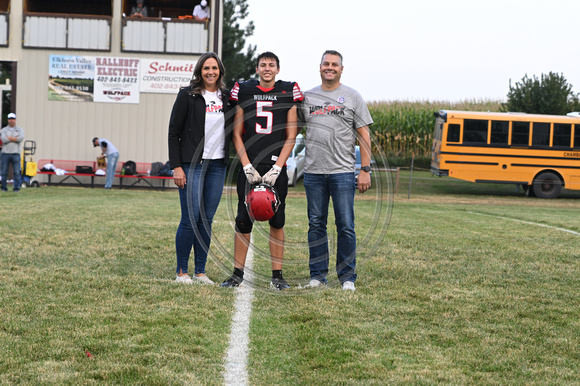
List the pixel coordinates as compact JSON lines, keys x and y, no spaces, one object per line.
{"x":520,"y":133}
{"x":541,"y":134}
{"x":576,"y":136}
{"x":453,"y":132}
{"x":499,"y":132}
{"x":475,"y":131}
{"x":438,"y":130}
{"x":562,"y":135}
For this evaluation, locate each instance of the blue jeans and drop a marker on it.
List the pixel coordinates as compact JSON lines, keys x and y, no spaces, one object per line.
{"x":112,"y":160}
{"x":199,"y":201}
{"x":319,"y":188}
{"x":14,"y":159}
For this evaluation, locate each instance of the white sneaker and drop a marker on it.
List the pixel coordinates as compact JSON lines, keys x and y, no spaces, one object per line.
{"x":314,"y":283}
{"x":348,"y":285}
{"x":184,"y":279}
{"x":202,"y":280}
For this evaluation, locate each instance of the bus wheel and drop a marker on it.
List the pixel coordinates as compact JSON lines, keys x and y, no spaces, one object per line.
{"x":547,"y":185}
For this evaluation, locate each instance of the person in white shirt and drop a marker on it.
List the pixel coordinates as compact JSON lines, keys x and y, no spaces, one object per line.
{"x":201,"y":11}
{"x":198,"y":138}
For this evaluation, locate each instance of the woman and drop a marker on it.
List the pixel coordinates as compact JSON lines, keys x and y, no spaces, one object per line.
{"x":199,"y":136}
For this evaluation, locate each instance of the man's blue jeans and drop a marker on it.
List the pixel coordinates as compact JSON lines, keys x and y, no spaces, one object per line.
{"x":112,"y":160}
{"x":319,"y":188}
{"x":199,"y":201}
{"x":14,"y":159}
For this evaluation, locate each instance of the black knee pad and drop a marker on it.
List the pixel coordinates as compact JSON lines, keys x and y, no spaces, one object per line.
{"x":279,"y":218}
{"x":244,"y":227}
{"x":244,"y":223}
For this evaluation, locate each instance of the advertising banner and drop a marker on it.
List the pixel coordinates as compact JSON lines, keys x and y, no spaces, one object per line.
{"x":116,"y":80}
{"x":70,"y":78}
{"x":165,"y":76}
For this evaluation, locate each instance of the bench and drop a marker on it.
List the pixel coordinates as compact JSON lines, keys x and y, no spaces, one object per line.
{"x":142,"y":173}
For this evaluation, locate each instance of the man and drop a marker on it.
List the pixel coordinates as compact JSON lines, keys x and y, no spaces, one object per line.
{"x":335,"y":115}
{"x":201,"y":11}
{"x":139,"y":10}
{"x":110,"y":151}
{"x":11,"y":136}
{"x":263,"y":135}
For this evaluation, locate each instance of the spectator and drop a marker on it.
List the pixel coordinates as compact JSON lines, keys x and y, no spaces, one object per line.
{"x":198,"y":139}
{"x":334,"y":115}
{"x":139,"y":10}
{"x":11,"y":136}
{"x":201,"y":11}
{"x":110,"y":151}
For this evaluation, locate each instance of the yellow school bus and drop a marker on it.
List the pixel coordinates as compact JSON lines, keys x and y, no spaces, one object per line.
{"x":539,"y":152}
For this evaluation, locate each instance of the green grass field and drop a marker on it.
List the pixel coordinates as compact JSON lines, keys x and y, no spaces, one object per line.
{"x":460,"y":283}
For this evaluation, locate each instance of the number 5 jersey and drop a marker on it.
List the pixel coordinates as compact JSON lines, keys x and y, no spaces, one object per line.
{"x":265,"y":117}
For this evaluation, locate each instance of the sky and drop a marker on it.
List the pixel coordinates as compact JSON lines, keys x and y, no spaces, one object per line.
{"x":418,"y":50}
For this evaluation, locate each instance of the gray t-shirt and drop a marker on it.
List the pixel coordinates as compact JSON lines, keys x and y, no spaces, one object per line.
{"x":9,"y":147}
{"x":110,"y":147}
{"x":331,"y":119}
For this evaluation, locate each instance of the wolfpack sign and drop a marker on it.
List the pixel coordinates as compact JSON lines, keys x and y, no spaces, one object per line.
{"x":116,"y":80}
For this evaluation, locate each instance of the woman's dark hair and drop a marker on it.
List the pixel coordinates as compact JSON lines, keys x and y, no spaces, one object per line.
{"x":196,"y":83}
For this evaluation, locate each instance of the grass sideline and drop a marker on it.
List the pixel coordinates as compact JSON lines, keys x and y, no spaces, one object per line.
{"x":460,"y":291}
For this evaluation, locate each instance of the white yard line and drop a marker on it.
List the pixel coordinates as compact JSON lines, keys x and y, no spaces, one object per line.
{"x":528,"y":222}
{"x":236,"y":372}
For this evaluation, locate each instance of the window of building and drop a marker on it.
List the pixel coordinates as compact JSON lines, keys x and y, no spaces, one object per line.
{"x":541,"y":134}
{"x":168,"y":28}
{"x":562,"y":135}
{"x":475,"y":131}
{"x":4,"y":23}
{"x":174,"y":9}
{"x":520,"y":133}
{"x":85,"y":7}
{"x":67,"y":24}
{"x":499,"y":132}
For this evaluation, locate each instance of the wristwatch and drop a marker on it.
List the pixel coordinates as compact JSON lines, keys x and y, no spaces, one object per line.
{"x":366,"y":168}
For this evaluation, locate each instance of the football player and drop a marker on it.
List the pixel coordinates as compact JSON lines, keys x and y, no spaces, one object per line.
{"x":264,"y":133}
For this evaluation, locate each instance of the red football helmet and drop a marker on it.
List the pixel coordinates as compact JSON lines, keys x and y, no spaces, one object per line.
{"x":262,"y":202}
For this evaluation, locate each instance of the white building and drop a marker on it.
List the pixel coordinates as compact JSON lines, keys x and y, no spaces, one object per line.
{"x":82,"y":69}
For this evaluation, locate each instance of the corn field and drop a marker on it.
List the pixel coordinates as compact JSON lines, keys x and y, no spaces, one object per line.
{"x":401,"y":128}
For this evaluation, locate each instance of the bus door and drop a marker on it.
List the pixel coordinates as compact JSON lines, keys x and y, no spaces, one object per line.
{"x":440,"y":119}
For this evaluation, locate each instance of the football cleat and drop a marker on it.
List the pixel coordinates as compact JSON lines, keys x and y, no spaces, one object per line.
{"x":232,"y":281}
{"x":279,"y":283}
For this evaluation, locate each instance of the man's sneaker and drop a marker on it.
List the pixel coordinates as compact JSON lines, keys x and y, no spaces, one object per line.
{"x":314,"y":283}
{"x":203,"y":279}
{"x":232,"y":281}
{"x":279,"y":283}
{"x":184,"y":279}
{"x":348,"y":285}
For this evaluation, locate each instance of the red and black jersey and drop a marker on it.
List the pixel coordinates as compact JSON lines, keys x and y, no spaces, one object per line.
{"x":265,"y":117}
